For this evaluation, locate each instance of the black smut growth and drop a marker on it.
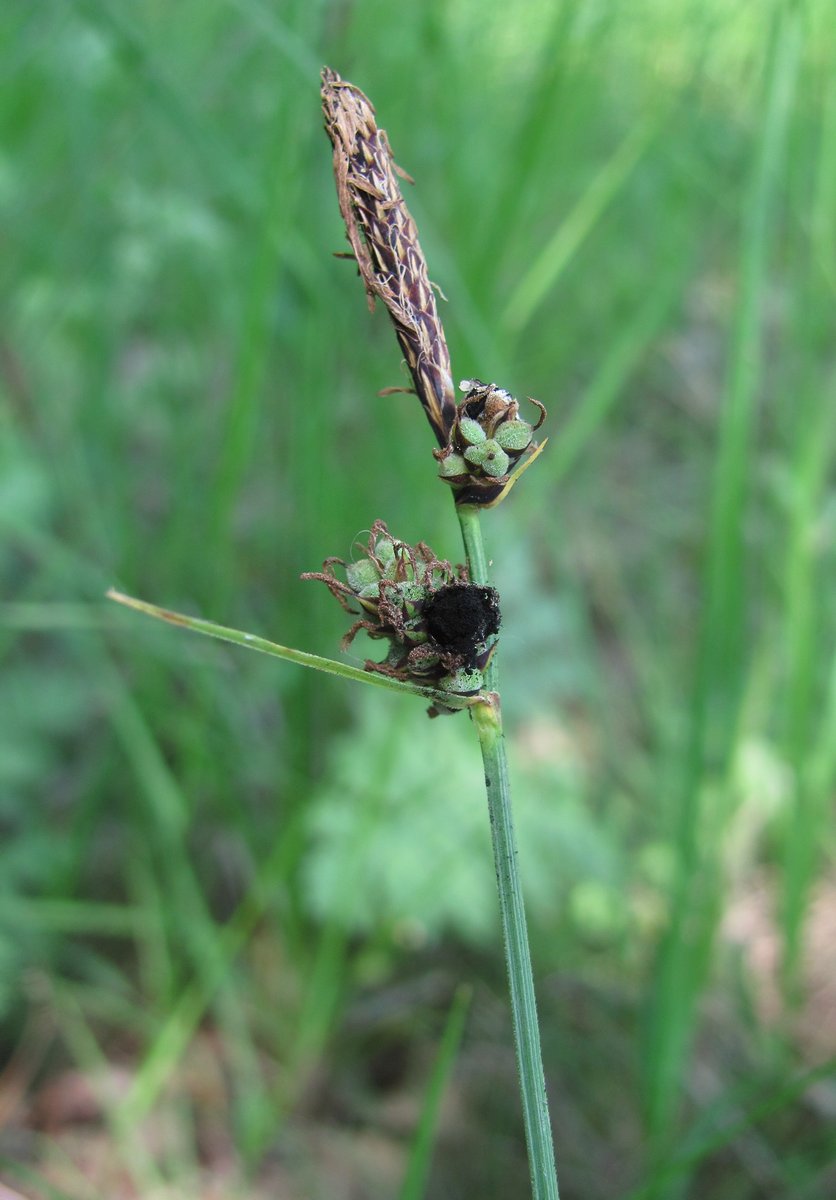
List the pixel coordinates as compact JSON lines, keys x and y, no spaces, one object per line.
{"x":460,"y":617}
{"x":475,"y":408}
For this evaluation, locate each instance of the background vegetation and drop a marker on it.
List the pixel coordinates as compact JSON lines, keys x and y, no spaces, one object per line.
{"x":239,"y":901}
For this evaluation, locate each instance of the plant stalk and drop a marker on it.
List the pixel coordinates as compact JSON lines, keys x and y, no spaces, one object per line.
{"x":487,"y":718}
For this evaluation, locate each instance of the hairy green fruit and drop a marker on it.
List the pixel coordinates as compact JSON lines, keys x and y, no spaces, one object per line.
{"x":441,"y":630}
{"x":486,"y":442}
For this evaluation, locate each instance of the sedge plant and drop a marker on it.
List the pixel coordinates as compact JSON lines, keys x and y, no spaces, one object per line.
{"x":440,"y":623}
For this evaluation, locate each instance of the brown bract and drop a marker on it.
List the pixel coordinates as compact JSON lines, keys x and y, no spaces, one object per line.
{"x":385,"y":243}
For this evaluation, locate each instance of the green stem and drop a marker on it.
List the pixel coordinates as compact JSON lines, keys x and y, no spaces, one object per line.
{"x":477,"y":566}
{"x":487,"y":718}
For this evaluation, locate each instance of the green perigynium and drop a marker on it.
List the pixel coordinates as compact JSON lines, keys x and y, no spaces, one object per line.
{"x":441,"y":629}
{"x":487,"y":440}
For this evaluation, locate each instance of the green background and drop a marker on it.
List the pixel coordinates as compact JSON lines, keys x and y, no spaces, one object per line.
{"x":223,"y":868}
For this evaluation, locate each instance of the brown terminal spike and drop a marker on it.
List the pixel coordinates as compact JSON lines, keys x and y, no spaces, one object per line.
{"x":385,"y":243}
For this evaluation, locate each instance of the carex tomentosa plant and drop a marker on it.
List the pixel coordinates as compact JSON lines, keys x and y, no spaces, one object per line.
{"x":440,"y":623}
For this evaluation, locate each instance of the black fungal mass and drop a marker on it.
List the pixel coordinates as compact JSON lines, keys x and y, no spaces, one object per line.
{"x":461,"y":617}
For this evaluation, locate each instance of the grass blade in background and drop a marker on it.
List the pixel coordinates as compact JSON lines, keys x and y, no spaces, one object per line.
{"x":610,"y":381}
{"x":809,"y":593}
{"x":697,"y":889}
{"x":421,"y":1150}
{"x":545,"y":270}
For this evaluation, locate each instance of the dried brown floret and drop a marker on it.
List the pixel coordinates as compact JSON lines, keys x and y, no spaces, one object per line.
{"x":385,"y":243}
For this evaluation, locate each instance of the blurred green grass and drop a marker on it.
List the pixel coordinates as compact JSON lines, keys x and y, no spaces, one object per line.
{"x":630,"y":210}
